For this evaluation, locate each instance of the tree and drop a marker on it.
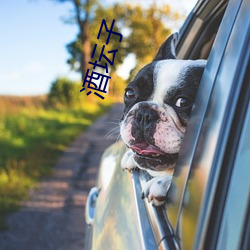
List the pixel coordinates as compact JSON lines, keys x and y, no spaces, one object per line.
{"x":145,"y":30}
{"x":74,"y":48}
{"x":83,"y":15}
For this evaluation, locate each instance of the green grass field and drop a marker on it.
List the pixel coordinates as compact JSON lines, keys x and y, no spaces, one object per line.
{"x":31,"y":139}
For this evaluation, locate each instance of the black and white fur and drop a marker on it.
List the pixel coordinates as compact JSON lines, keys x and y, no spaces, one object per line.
{"x":158,"y":102}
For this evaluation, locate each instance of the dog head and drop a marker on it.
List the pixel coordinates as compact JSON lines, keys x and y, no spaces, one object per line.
{"x":158,"y":102}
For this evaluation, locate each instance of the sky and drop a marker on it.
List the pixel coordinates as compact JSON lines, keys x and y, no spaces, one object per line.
{"x":32,"y":44}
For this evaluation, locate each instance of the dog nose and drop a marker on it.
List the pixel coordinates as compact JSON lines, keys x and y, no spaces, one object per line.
{"x":145,"y":117}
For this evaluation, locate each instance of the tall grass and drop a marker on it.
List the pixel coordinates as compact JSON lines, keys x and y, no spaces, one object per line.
{"x":31,"y":139}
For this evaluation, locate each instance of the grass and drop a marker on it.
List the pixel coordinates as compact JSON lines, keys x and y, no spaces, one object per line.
{"x":31,"y":139}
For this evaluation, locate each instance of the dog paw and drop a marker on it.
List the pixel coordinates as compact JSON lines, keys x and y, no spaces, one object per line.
{"x":156,"y":189}
{"x":127,"y":162}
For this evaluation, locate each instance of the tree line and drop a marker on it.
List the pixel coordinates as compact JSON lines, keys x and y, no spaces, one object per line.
{"x":143,"y":29}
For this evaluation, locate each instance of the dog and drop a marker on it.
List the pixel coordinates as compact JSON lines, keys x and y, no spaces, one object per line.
{"x":158,"y":102}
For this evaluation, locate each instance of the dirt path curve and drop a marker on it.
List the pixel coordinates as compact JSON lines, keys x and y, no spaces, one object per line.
{"x":53,"y":218}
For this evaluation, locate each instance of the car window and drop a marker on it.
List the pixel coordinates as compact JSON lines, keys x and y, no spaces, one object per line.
{"x":193,"y":129}
{"x":199,"y":31}
{"x":165,"y":224}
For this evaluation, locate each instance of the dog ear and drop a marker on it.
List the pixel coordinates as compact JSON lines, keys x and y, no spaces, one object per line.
{"x":167,"y":49}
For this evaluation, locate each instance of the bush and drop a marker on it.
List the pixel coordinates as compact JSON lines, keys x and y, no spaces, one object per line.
{"x":65,"y":92}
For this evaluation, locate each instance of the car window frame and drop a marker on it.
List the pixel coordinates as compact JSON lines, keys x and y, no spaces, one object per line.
{"x":162,"y":227}
{"x":194,"y":126}
{"x":213,"y":182}
{"x":239,"y":108}
{"x":210,"y":74}
{"x":191,"y":33}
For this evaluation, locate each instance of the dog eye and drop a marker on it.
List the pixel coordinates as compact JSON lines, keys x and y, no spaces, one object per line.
{"x":182,"y":102}
{"x":130,"y":94}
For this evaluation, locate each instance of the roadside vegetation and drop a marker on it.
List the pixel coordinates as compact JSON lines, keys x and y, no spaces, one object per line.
{"x":34,"y":131}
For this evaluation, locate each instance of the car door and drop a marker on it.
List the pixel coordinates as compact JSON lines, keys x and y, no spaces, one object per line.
{"x":121,"y":218}
{"x":207,"y":184}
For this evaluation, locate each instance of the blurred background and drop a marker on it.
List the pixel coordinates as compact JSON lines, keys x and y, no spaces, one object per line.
{"x":45,"y":48}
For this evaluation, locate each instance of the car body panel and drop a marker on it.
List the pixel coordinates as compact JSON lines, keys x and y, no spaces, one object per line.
{"x":202,"y":213}
{"x":117,"y":224}
{"x":205,"y":145}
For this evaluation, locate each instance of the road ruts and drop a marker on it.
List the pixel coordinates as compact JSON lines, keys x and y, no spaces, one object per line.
{"x":53,"y":218}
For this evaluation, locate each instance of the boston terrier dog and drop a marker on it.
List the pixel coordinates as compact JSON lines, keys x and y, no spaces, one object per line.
{"x":158,"y":102}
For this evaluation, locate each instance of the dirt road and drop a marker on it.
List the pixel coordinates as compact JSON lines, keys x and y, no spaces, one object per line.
{"x":53,"y":218}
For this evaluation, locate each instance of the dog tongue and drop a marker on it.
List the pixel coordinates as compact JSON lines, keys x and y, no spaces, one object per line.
{"x":145,"y":149}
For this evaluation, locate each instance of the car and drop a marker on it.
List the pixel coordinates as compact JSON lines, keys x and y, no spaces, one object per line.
{"x":208,"y":203}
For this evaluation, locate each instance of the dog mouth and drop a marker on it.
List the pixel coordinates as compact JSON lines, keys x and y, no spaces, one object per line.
{"x":149,"y":152}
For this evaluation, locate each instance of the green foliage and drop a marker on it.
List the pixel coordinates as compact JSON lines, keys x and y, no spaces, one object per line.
{"x":75,"y":47}
{"x":64,"y":92}
{"x":147,"y":31}
{"x":144,"y":31}
{"x":108,"y":14}
{"x":31,"y":139}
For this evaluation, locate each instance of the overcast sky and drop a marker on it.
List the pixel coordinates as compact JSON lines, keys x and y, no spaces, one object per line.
{"x":32,"y":44}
